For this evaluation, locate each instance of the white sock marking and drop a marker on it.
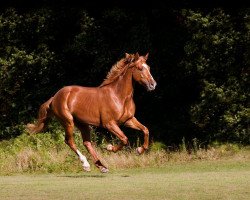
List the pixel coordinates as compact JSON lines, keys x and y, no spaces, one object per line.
{"x":83,"y":159}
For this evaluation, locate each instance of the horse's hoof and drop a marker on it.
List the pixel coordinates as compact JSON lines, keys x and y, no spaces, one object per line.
{"x":86,"y":169}
{"x":104,"y":170}
{"x":139,"y":150}
{"x":109,"y":147}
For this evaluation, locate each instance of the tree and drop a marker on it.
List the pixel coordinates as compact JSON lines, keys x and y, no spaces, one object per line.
{"x":216,"y":52}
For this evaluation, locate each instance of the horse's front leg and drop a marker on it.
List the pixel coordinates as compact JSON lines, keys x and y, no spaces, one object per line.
{"x":135,"y":124}
{"x":114,"y":128}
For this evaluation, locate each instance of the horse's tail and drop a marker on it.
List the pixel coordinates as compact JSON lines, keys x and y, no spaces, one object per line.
{"x":43,"y":116}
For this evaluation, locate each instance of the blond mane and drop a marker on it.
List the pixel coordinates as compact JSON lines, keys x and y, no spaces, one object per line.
{"x":116,"y":70}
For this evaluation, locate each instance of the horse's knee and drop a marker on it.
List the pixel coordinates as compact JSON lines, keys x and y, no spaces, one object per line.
{"x":145,"y":131}
{"x":124,"y":140}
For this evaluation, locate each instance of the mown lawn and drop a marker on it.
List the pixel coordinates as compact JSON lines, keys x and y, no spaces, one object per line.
{"x":228,"y":179}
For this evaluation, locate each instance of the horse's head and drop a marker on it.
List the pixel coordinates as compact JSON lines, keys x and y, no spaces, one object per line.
{"x":141,"y":70}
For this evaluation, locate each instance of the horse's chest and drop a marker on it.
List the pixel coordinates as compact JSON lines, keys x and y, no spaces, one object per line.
{"x":128,"y":111}
{"x":117,"y":110}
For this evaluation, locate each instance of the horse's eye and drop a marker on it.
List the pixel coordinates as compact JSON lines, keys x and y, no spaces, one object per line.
{"x":140,"y":67}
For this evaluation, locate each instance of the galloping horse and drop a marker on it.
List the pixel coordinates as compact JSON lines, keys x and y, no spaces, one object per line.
{"x":109,"y":105}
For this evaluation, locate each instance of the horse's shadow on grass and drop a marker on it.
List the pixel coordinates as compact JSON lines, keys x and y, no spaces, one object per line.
{"x":84,"y":176}
{"x":89,"y":176}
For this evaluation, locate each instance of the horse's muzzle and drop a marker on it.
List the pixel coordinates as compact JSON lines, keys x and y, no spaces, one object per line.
{"x":151,"y":86}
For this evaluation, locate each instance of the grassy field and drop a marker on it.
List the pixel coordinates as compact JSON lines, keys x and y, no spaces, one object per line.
{"x":226,"y":179}
{"x":42,"y":167}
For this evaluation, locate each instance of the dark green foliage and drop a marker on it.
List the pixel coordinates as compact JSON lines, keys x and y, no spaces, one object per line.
{"x":26,"y":61}
{"x":199,"y":57}
{"x":216,"y":52}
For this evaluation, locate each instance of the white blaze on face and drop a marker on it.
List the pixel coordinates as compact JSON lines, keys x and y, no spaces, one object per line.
{"x":83,"y":159}
{"x":145,"y":66}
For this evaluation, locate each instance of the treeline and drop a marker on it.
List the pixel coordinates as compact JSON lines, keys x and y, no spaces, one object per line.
{"x":199,"y":57}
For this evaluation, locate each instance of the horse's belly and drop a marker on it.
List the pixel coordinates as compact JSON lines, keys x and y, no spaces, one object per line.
{"x":87,"y":117}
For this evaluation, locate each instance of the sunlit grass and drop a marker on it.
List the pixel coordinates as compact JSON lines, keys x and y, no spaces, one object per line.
{"x":194,"y":180}
{"x":43,"y":167}
{"x":43,"y":153}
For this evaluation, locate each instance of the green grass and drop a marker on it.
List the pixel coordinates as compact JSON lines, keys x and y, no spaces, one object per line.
{"x":47,"y":153}
{"x":43,"y":167}
{"x":193,"y":180}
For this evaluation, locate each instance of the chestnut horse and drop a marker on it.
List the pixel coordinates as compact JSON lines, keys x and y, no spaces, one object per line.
{"x":109,"y":105}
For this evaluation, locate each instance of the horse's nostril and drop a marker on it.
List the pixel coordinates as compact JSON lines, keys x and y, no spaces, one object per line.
{"x":153,"y":84}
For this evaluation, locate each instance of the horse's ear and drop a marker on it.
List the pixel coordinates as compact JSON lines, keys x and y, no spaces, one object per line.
{"x":127,"y":55}
{"x":137,"y":56}
{"x":146,"y":56}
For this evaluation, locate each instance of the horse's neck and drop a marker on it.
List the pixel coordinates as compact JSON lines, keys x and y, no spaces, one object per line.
{"x":124,"y":86}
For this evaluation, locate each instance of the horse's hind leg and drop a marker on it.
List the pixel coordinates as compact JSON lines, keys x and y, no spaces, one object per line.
{"x":85,"y":132}
{"x":67,"y":121}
